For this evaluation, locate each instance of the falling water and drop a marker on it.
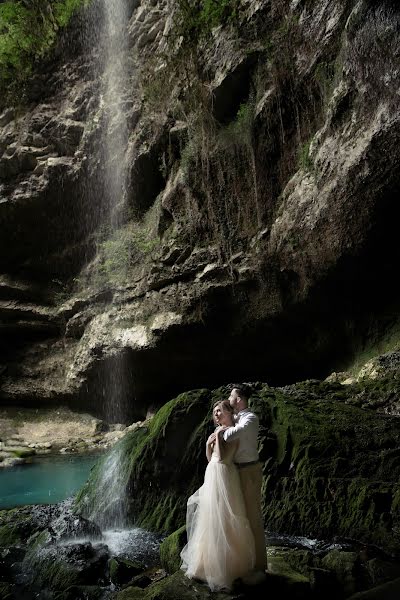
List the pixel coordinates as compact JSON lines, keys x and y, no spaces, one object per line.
{"x":110,"y":508}
{"x":113,"y":104}
{"x":114,"y":100}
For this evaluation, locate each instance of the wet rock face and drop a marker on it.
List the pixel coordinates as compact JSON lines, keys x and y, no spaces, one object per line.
{"x":43,"y":167}
{"x":48,"y":550}
{"x":274,"y":231}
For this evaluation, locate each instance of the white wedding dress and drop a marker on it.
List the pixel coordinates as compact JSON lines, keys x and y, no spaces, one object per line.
{"x":220,"y":544}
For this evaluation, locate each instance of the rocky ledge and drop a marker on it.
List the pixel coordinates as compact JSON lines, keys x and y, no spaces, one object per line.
{"x":48,"y":552}
{"x":25,"y":433}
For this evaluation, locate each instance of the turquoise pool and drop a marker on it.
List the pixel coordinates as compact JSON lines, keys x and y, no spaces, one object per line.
{"x":45,"y":480}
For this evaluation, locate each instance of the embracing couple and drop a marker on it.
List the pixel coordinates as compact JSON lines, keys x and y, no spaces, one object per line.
{"x":224,"y":520}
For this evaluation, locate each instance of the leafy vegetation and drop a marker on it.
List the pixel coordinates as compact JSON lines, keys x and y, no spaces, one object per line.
{"x":305,"y":161}
{"x":117,"y":253}
{"x":197,"y":19}
{"x":239,"y":131}
{"x":28,"y":30}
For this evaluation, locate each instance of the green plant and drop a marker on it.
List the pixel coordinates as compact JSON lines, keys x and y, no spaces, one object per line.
{"x":28,"y":30}
{"x":218,"y":162}
{"x":327,"y":76}
{"x":118,"y":253}
{"x":197,"y":19}
{"x":324,"y":77}
{"x":239,"y":131}
{"x":304,"y":159}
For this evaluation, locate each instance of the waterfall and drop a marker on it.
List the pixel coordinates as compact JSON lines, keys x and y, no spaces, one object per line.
{"x":111,"y":498}
{"x":114,"y":381}
{"x":114,"y":101}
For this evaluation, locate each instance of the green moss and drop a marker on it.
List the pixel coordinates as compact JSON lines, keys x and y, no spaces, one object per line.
{"x":123,"y":570}
{"x":27,"y":33}
{"x":9,"y":535}
{"x":170,"y":550}
{"x":197,"y":19}
{"x":96,"y":496}
{"x":278,"y":565}
{"x":161,"y":465}
{"x":178,"y":586}
{"x":16,"y":525}
{"x":305,"y":161}
{"x":35,"y":543}
{"x":88,"y":592}
{"x":48,"y":568}
{"x":345,"y":566}
{"x":23,"y":452}
{"x":119,"y":251}
{"x":330,"y":468}
{"x":56,"y":575}
{"x":130,"y":593}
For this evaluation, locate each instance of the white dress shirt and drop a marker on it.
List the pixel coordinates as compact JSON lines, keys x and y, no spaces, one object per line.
{"x":246,"y":431}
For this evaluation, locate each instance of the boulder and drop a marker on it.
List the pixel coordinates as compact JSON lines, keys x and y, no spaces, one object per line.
{"x":123,"y":570}
{"x":171,"y":548}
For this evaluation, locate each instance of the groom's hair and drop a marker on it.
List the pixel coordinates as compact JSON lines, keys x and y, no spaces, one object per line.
{"x":243,"y":390}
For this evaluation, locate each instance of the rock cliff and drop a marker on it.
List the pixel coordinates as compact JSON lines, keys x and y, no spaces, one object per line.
{"x":257,"y":239}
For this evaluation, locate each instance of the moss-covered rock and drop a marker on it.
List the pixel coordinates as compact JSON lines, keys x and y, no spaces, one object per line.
{"x":299,"y":560}
{"x":279,"y":566}
{"x":171,"y":588}
{"x":285,"y":582}
{"x":123,"y":570}
{"x":160,"y":466}
{"x":331,"y":468}
{"x":346,"y":566}
{"x":35,"y":544}
{"x":21,"y":452}
{"x":130,"y":593}
{"x":81,"y":592}
{"x":57,"y":568}
{"x":170,"y":550}
{"x":380,"y":571}
{"x":18,"y":524}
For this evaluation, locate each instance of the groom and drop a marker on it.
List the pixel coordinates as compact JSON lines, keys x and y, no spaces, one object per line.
{"x":246,"y":459}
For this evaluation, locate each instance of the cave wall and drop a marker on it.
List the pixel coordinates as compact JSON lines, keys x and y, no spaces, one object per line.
{"x":260,"y":235}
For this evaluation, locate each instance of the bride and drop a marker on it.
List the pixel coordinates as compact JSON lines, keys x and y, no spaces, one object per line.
{"x":220,"y":544}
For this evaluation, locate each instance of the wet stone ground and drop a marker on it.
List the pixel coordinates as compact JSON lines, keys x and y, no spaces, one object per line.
{"x":48,"y":553}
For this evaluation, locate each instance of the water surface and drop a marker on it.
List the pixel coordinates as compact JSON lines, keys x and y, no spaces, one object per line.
{"x":45,"y":480}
